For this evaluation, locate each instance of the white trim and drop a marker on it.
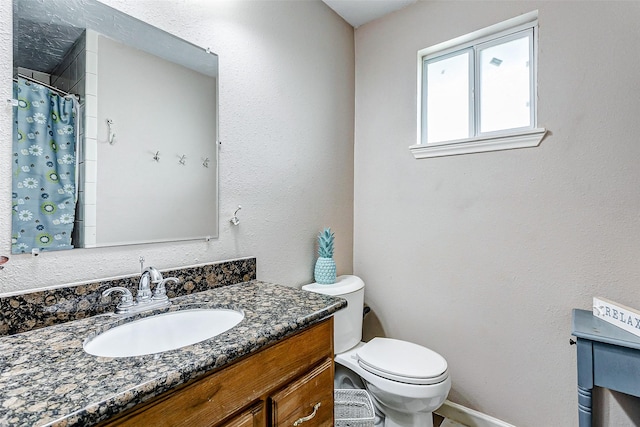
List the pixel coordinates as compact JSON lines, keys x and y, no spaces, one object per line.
{"x":469,"y":417}
{"x":479,"y":36}
{"x":512,"y":141}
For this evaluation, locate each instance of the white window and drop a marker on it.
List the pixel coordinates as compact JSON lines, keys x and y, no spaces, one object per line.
{"x":478,"y":92}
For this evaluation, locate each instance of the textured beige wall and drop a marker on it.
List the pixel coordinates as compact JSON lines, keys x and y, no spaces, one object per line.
{"x":286,"y":126}
{"x":481,"y":257}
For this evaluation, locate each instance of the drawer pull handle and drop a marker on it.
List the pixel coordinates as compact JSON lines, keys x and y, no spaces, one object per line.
{"x":308,"y":417}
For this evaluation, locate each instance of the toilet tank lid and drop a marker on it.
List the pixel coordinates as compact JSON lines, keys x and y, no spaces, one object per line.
{"x":344,"y":285}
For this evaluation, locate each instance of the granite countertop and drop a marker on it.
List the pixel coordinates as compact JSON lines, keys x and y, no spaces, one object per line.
{"x":46,"y":378}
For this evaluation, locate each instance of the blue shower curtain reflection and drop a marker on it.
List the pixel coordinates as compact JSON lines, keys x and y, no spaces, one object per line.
{"x":44,"y":163}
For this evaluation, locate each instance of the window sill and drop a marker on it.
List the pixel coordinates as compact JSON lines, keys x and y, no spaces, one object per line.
{"x":530,"y":138}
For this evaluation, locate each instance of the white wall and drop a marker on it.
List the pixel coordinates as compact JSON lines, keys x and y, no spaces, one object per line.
{"x":170,"y":110}
{"x":286,"y":126}
{"x":481,"y":257}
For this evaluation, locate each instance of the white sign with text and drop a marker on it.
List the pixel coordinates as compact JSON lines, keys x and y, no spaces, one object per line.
{"x":617,"y":314}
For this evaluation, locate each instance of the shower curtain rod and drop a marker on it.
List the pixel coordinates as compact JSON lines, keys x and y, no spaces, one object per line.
{"x":53,"y":88}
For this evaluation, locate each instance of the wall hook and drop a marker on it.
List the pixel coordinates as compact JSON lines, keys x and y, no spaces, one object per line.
{"x":235,"y":220}
{"x":3,"y":260}
{"x":182,"y":159}
{"x":112,"y":135}
{"x":156,"y":156}
{"x":205,"y":162}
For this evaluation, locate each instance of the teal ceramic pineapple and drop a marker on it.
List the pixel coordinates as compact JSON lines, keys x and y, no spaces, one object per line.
{"x":325,"y":271}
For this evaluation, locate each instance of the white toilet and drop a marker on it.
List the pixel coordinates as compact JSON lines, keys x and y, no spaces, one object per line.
{"x":406,"y":381}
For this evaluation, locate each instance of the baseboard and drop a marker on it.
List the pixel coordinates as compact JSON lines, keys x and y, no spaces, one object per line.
{"x":468,"y":417}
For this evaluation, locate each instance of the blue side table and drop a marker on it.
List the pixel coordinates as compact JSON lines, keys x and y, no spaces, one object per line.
{"x":608,"y":357}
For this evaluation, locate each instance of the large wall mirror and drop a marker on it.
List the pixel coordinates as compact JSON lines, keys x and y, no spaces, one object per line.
{"x":115,"y":130}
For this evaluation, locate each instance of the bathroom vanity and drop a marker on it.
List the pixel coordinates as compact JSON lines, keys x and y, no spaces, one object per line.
{"x":275,"y":367}
{"x":275,"y":387}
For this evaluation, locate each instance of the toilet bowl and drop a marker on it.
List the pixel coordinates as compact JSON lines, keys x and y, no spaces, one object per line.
{"x":406,"y":381}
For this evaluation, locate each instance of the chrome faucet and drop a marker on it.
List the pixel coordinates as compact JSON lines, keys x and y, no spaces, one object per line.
{"x":149,"y":275}
{"x":145,"y":300}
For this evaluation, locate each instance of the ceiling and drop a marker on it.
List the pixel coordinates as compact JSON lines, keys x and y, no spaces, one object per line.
{"x":359,"y":12}
{"x":45,"y":31}
{"x":37,"y":21}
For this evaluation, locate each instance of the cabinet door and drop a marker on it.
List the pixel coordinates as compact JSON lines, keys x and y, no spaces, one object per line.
{"x":253,"y":417}
{"x":307,"y":401}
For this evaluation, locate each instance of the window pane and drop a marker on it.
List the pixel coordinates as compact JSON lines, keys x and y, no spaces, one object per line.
{"x":504,"y":86}
{"x":448,"y":98}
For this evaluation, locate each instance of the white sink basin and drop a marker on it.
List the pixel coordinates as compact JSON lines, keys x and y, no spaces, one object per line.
{"x":162,"y":332}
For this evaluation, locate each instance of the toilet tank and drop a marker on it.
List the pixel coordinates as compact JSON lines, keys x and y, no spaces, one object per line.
{"x":347,"y":323}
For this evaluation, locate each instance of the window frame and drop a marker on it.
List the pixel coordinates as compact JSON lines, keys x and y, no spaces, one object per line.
{"x":522,"y":137}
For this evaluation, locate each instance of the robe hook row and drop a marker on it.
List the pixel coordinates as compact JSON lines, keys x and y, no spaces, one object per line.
{"x":182,"y":159}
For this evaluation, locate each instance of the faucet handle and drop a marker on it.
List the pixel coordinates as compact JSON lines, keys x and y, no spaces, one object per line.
{"x":125,"y":302}
{"x":160,"y":293}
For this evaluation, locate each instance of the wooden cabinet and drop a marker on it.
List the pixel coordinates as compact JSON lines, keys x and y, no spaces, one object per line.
{"x":253,"y":417}
{"x":275,"y":387}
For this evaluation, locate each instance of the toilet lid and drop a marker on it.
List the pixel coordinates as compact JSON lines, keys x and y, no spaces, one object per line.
{"x":402,"y":361}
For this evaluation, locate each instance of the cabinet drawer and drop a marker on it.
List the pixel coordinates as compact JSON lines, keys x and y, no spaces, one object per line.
{"x":306,"y":402}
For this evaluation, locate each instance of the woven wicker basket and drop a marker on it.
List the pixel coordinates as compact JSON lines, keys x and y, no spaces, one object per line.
{"x":353,"y":408}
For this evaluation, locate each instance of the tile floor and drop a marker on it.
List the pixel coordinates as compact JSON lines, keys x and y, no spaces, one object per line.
{"x":446,"y":423}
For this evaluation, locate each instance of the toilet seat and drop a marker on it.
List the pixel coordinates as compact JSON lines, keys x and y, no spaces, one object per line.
{"x":402,"y":361}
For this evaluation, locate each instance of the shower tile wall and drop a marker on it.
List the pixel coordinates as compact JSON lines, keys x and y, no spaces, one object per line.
{"x":69,"y":76}
{"x":87,"y":69}
{"x":40,"y":76}
{"x":90,"y":141}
